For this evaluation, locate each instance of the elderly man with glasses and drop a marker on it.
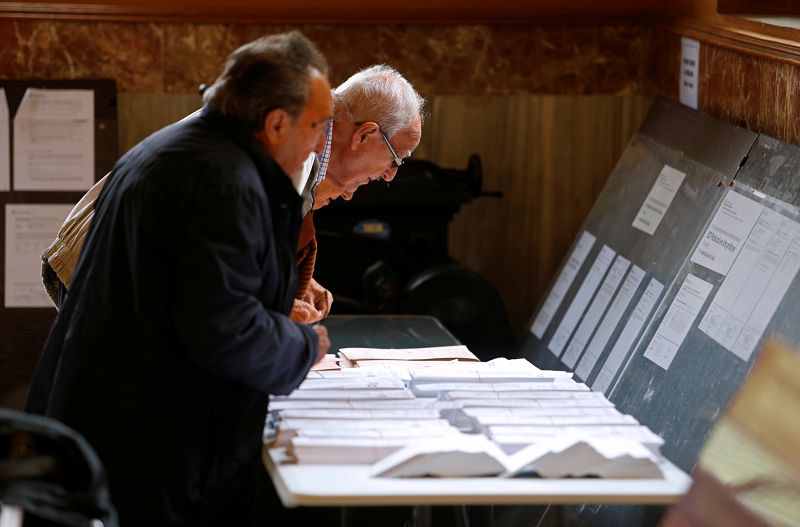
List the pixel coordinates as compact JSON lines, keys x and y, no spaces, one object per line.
{"x":377,"y":122}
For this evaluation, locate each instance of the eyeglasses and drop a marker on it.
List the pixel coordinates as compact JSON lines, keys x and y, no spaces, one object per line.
{"x":396,"y":160}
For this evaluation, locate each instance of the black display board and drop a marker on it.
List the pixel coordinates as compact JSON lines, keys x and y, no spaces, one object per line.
{"x":24,"y":330}
{"x":680,"y":403}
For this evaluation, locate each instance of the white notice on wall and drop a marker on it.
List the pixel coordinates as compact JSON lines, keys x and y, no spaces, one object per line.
{"x":29,"y":230}
{"x":626,"y":339}
{"x":727,"y":233}
{"x":755,"y":285}
{"x":565,"y":278}
{"x":54,"y":140}
{"x":599,"y":305}
{"x":658,"y":200}
{"x":679,"y":319}
{"x":690,"y":72}
{"x":769,"y":302}
{"x":5,"y":143}
{"x":581,"y":300}
{"x":610,"y":321}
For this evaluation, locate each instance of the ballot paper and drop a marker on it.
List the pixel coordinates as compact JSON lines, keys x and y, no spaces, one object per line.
{"x":535,"y":395}
{"x":604,"y":457}
{"x":54,"y":140}
{"x":479,"y":419}
{"x":288,"y":428}
{"x":563,"y":283}
{"x":476,"y":455}
{"x":756,"y":284}
{"x":464,"y":456}
{"x":633,"y":327}
{"x":328,"y":362}
{"x":294,"y":404}
{"x":359,"y":356}
{"x":346,"y":395}
{"x":361,"y":413}
{"x":338,"y":450}
{"x":355,"y":447}
{"x":481,"y":371}
{"x":612,"y":417}
{"x":358,"y":383}
{"x":576,"y":308}
{"x":514,"y":438}
{"x":595,"y":311}
{"x":727,"y":233}
{"x":337,"y":374}
{"x":679,"y":319}
{"x":434,"y":389}
{"x":610,"y":322}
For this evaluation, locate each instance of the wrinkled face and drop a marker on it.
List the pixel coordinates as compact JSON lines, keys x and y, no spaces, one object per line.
{"x":359,"y":155}
{"x":290,"y":140}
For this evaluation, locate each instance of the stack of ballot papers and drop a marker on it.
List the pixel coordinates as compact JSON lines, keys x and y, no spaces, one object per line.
{"x":357,"y":357}
{"x":440,"y":412}
{"x":574,"y":455}
{"x":328,"y":362}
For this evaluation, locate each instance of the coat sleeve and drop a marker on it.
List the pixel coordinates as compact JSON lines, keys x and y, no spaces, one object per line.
{"x":226,"y":275}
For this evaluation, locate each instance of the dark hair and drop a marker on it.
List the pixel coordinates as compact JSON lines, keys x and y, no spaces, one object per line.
{"x":265,"y":74}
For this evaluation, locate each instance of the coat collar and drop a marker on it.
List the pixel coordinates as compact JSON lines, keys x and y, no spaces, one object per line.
{"x":276,"y":183}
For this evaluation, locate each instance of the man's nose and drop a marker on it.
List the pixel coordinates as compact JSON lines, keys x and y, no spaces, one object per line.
{"x":347,"y":195}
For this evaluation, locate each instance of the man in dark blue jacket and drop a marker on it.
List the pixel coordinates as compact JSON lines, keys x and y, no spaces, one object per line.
{"x":176,"y":329}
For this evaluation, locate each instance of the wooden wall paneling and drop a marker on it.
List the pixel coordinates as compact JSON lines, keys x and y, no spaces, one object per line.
{"x":550,"y":156}
{"x":754,"y":93}
{"x":142,"y":114}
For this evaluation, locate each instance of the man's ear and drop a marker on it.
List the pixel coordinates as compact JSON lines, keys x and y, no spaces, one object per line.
{"x":275,"y":125}
{"x":362,"y":133}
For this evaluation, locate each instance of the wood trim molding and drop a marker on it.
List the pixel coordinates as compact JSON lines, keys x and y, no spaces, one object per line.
{"x":759,"y":7}
{"x":740,"y":35}
{"x":325,"y":12}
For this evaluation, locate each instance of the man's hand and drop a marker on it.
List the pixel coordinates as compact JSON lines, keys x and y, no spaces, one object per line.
{"x":319,"y":297}
{"x":314,"y":306}
{"x":323,"y":340}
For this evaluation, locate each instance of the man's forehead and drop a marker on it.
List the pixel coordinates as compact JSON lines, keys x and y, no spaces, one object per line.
{"x":320,"y":99}
{"x":408,"y":139}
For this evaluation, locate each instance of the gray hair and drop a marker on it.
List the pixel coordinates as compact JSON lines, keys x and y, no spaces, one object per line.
{"x":263,"y":75}
{"x":381,"y":94}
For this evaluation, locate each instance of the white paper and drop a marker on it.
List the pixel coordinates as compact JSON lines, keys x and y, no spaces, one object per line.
{"x":581,"y":300}
{"x":690,"y":72}
{"x":54,"y":140}
{"x":5,"y":143}
{"x":659,"y":199}
{"x":596,"y":310}
{"x":610,"y":321}
{"x":727,"y":233}
{"x":560,"y":288}
{"x":679,"y":319}
{"x":431,"y":353}
{"x":641,"y":314}
{"x":755,"y":285}
{"x":769,"y":302}
{"x":29,"y":230}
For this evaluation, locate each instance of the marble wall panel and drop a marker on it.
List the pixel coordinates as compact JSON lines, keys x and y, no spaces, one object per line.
{"x":441,"y":60}
{"x":132,"y":54}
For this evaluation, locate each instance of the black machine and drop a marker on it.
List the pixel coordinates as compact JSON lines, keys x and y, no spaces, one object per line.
{"x":385,"y":252}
